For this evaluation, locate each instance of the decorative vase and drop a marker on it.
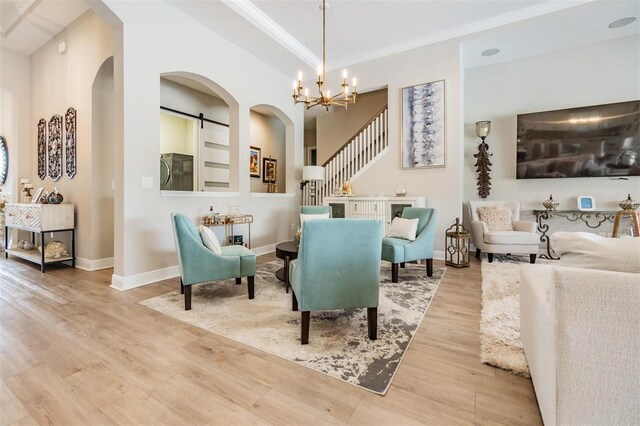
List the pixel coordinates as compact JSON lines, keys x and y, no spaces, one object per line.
{"x":629,"y":204}
{"x":44,"y":198}
{"x":55,"y":197}
{"x":401,"y":190}
{"x":550,"y":204}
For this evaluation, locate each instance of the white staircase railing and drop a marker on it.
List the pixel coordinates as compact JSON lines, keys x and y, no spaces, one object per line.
{"x":352,"y":159}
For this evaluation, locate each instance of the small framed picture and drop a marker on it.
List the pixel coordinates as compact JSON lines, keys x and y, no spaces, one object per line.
{"x":254,"y":161}
{"x":586,"y":203}
{"x":36,"y":196}
{"x":269,"y":170}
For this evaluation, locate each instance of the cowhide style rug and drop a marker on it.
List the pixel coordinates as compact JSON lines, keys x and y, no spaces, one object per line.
{"x":500,"y":343}
{"x":338,"y":342}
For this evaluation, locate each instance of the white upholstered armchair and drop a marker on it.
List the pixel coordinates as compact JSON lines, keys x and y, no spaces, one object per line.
{"x":523,"y":239}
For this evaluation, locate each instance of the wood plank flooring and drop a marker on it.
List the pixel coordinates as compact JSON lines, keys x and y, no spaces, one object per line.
{"x":74,"y":351}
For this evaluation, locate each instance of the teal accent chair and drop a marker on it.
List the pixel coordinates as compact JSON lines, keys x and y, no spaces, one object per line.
{"x":338,"y":267}
{"x":398,"y":251}
{"x":199,"y":265}
{"x":315,"y":210}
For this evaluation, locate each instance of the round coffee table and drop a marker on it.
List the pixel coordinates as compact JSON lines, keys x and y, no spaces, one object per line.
{"x":287,"y":251}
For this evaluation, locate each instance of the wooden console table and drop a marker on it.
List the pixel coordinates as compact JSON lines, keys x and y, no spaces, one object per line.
{"x":40,"y":219}
{"x":592,"y":219}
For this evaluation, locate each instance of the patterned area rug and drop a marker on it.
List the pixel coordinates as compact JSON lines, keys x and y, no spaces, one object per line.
{"x":500,"y":343}
{"x":338,"y":342}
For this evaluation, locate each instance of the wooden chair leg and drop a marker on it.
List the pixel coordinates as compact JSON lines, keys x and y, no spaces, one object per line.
{"x":490,"y":257}
{"x":402,"y":265}
{"x":187,"y":298}
{"x":181,"y":286}
{"x":477,"y":253}
{"x":532,"y":258}
{"x":394,"y":272}
{"x":372,"y":323}
{"x":294,"y":301}
{"x":306,"y":319}
{"x":250,"y":286}
{"x":238,"y":280}
{"x":429,"y":267}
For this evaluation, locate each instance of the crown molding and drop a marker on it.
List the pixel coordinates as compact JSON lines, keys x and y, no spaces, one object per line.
{"x":465,"y":30}
{"x":260,"y":20}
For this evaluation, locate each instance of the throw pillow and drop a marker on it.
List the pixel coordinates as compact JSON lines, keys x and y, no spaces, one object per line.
{"x":496,"y":218}
{"x":210,"y":240}
{"x":591,"y":251}
{"x":404,"y":228}
{"x":304,"y":217}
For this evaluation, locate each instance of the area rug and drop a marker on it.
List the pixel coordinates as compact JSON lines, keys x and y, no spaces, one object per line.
{"x":500,"y":343}
{"x":338,"y":342}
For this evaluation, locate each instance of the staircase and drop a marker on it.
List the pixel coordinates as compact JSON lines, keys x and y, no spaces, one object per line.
{"x":352,"y":159}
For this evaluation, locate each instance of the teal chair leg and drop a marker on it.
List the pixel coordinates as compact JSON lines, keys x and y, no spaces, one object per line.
{"x":306,"y":319}
{"x":429,"y":267}
{"x":372,"y":323}
{"x":394,"y":272}
{"x":238,"y":280}
{"x":181,"y":286}
{"x":250,"y":286}
{"x":187,"y":298}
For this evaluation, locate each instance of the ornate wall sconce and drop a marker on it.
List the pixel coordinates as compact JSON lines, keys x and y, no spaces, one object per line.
{"x":483,"y":164}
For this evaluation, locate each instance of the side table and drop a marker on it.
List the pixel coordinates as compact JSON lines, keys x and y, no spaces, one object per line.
{"x":287,"y":251}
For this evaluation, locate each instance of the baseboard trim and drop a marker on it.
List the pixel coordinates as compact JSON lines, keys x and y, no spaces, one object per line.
{"x":94,"y":265}
{"x":437,"y":254}
{"x":138,"y":280}
{"x":121,"y":283}
{"x":259,"y":251}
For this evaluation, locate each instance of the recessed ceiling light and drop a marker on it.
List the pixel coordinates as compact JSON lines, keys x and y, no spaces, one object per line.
{"x":490,"y":52}
{"x":622,"y":22}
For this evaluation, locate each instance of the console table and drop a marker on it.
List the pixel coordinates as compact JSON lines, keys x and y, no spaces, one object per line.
{"x":40,"y":219}
{"x":381,"y":208}
{"x":228,"y":222}
{"x":592,"y":219}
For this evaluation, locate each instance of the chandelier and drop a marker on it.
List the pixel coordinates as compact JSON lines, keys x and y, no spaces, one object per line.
{"x":343,"y":98}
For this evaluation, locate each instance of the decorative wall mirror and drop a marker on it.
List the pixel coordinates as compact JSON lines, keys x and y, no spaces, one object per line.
{"x":4,"y":160}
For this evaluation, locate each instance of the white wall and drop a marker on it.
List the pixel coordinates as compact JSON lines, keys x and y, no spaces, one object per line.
{"x":442,"y":187}
{"x":588,"y":75}
{"x":268,"y":134}
{"x":60,"y":81}
{"x":15,"y":72}
{"x":149,"y":50}
{"x":102,"y":170}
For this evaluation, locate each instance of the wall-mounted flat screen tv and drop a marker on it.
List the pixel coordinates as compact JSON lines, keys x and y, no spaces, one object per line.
{"x":593,"y":141}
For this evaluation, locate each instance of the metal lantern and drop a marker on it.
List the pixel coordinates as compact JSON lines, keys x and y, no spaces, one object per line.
{"x":456,"y":244}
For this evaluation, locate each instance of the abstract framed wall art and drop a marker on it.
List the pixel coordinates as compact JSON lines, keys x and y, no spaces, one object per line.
{"x":42,"y":148}
{"x":70,"y":167}
{"x":54,"y":148}
{"x":423,"y":126}
{"x":254,"y":161}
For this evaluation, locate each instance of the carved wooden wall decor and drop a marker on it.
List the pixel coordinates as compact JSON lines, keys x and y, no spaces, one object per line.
{"x":70,"y":142}
{"x":42,"y":149}
{"x":483,"y":167}
{"x":54,"y":148}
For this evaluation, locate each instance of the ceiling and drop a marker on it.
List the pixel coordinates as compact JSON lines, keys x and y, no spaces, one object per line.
{"x":26,"y":25}
{"x":288,"y":33}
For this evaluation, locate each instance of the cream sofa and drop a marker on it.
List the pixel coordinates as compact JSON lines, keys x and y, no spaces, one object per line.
{"x":580,"y":331}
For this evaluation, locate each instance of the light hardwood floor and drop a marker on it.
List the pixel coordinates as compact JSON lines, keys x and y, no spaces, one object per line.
{"x":74,"y":351}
